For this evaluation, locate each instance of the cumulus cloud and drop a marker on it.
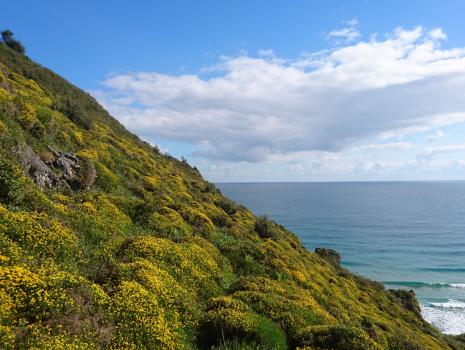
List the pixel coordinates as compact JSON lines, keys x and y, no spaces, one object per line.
{"x":256,"y":108}
{"x":437,"y":34}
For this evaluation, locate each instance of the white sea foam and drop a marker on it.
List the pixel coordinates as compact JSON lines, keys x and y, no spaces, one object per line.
{"x":410,"y":284}
{"x":448,"y":316}
{"x":451,"y":303}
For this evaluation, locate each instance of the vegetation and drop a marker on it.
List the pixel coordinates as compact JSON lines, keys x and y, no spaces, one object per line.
{"x":107,"y":244}
{"x":8,"y":40}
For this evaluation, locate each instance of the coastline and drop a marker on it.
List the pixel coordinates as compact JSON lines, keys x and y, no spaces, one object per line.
{"x":394,"y":232}
{"x":445,"y":311}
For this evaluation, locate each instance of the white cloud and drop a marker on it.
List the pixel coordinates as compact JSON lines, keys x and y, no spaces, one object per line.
{"x":386,"y":146}
{"x":433,"y":151}
{"x":437,"y":34}
{"x":266,"y":53}
{"x":348,"y":33}
{"x":259,"y":108}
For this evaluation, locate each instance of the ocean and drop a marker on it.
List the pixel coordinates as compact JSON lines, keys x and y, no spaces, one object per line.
{"x":404,"y":234}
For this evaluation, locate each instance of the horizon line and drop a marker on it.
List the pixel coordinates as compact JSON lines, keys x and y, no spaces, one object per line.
{"x":334,"y":181}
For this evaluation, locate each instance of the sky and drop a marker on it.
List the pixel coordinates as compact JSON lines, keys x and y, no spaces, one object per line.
{"x":270,"y":90}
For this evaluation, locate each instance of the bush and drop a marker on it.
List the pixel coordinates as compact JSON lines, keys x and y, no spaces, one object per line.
{"x":330,"y":255}
{"x":227,"y":205}
{"x":71,"y":108}
{"x":106,"y":179}
{"x":229,"y":319}
{"x":169,"y":223}
{"x":38,"y":233}
{"x":10,"y":187}
{"x":401,"y":342}
{"x":200,"y":222}
{"x":27,"y":115}
{"x":408,"y":300}
{"x":142,"y":323}
{"x":194,"y":262}
{"x":336,"y":337}
{"x":266,"y":228}
{"x":87,"y":174}
{"x":34,"y":295}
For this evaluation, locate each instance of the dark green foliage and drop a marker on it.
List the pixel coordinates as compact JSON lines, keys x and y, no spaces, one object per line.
{"x":365,"y":282}
{"x":270,"y":335}
{"x":227,"y":205}
{"x":228,"y":319}
{"x":266,"y":228}
{"x":8,"y":40}
{"x":87,"y":174}
{"x":408,"y":299}
{"x":237,"y":344}
{"x":74,"y":111}
{"x":10,"y":185}
{"x":330,"y":255}
{"x":400,"y":342}
{"x":336,"y":337}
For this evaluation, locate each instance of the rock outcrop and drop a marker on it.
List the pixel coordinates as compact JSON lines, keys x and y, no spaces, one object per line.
{"x":408,"y":300}
{"x":60,"y":170}
{"x":37,"y":170}
{"x":330,"y":255}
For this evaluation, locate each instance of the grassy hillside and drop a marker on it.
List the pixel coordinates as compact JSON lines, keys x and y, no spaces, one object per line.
{"x":107,"y":244}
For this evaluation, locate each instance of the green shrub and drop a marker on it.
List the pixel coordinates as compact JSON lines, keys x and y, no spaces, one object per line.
{"x":336,"y":337}
{"x":10,"y":187}
{"x":168,"y":223}
{"x":266,"y":228}
{"x":402,"y":342}
{"x":229,"y":319}
{"x":199,"y":221}
{"x":71,"y":108}
{"x":227,"y":205}
{"x":106,"y":179}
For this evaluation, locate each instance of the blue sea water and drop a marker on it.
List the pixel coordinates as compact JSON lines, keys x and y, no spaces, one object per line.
{"x":405,"y":234}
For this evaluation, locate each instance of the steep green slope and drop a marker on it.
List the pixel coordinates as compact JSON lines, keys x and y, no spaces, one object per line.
{"x":106,"y":243}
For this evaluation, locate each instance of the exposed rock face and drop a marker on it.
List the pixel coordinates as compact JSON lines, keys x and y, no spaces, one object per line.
{"x":42,"y":175}
{"x":68,"y":163}
{"x":60,"y":170}
{"x":330,"y":255}
{"x":408,"y":299}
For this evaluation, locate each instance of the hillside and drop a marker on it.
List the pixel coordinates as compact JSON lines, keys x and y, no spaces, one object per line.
{"x":105,"y":243}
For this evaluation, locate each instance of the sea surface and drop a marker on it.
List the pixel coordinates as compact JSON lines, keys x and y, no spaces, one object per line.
{"x":405,"y":234}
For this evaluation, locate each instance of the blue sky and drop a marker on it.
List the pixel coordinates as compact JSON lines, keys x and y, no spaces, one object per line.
{"x":270,"y":90}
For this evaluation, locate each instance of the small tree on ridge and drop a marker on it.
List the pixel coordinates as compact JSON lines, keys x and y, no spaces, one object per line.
{"x":8,"y":40}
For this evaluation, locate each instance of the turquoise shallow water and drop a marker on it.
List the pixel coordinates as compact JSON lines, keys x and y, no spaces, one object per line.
{"x":405,"y":234}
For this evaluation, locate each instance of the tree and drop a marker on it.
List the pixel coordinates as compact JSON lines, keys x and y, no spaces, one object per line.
{"x":8,"y":40}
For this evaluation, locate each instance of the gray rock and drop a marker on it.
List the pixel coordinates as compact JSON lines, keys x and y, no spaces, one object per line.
{"x":40,"y":173}
{"x":62,"y":171}
{"x":68,"y":163}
